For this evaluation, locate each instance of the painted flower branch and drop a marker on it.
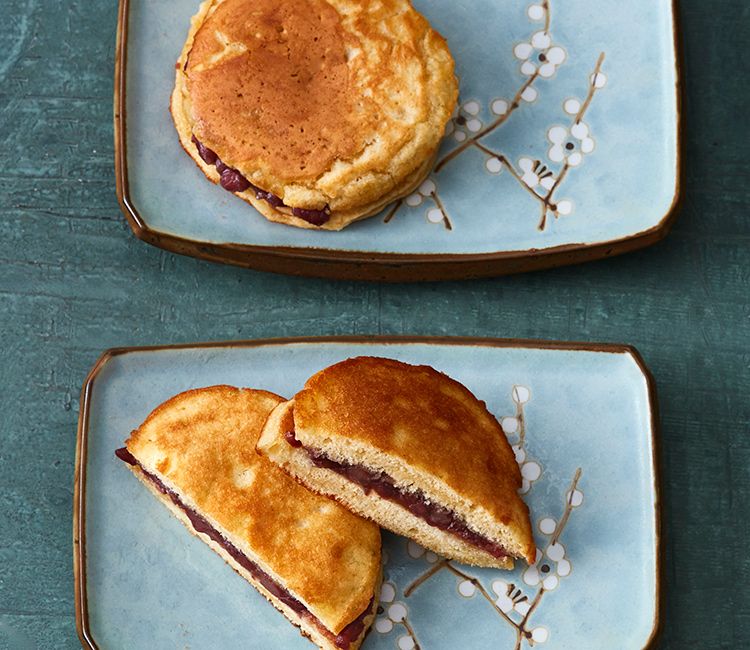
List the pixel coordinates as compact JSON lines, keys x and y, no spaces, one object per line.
{"x":546,"y":200}
{"x":540,"y":58}
{"x":525,"y":91}
{"x":490,"y":127}
{"x":512,"y":599}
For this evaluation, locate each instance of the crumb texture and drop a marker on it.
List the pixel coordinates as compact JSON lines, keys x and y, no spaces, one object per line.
{"x":425,"y":430}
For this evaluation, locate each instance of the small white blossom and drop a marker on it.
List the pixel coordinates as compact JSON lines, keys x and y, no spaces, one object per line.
{"x":499,"y":106}
{"x":539,"y":635}
{"x":536,"y":12}
{"x":540,"y":56}
{"x":520,"y":394}
{"x":575,"y":498}
{"x":435,"y":216}
{"x":391,"y":613}
{"x":510,"y":598}
{"x":599,"y":80}
{"x":570,"y":145}
{"x":529,"y":94}
{"x":572,"y":106}
{"x":406,"y":642}
{"x":547,"y":525}
{"x":536,"y":174}
{"x":465,"y":121}
{"x":424,"y":191}
{"x":494,"y":165}
{"x":564,"y":207}
{"x":467,"y":588}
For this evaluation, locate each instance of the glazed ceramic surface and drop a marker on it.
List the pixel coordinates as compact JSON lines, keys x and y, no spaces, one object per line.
{"x":567,"y":134}
{"x":581,"y":425}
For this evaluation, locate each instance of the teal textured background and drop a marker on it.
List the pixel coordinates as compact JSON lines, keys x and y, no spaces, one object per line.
{"x":74,"y":281}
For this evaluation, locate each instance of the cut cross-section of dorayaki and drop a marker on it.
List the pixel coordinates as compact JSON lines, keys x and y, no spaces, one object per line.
{"x":315,"y":561}
{"x":411,"y":449}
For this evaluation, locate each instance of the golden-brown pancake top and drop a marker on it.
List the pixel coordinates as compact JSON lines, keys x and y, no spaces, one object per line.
{"x":269,"y":80}
{"x":423,"y":417}
{"x":325,"y":103}
{"x":202,"y":444}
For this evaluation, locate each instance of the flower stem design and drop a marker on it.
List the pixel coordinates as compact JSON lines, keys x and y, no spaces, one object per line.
{"x":435,"y":197}
{"x":446,"y":219}
{"x":489,"y":128}
{"x":546,"y":201}
{"x":393,"y":211}
{"x":548,"y":204}
{"x":521,"y":627}
{"x":568,"y":507}
{"x":528,"y":83}
{"x":435,"y":568}
{"x":408,"y":627}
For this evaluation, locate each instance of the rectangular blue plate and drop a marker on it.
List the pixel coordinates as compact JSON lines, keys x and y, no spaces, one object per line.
{"x":577,"y":106}
{"x":582,"y":421}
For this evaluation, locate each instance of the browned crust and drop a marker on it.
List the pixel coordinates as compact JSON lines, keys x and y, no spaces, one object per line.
{"x":309,"y":629}
{"x":426,"y":420}
{"x":360,"y":131}
{"x":201,"y":444}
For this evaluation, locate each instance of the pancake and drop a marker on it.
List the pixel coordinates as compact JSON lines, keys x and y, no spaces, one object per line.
{"x":312,"y":559}
{"x":316,"y":112}
{"x":411,"y":449}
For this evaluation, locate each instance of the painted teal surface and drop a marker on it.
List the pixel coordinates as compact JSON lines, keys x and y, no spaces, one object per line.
{"x":74,"y":281}
{"x":587,"y":410}
{"x":625,"y":186}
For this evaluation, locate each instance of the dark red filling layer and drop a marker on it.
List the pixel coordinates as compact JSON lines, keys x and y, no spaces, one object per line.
{"x":415,"y":502}
{"x":349,"y":634}
{"x":233,"y":181}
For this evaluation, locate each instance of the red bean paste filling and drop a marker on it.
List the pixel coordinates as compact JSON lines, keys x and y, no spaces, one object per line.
{"x":233,"y":181}
{"x":343,"y":640}
{"x":415,"y":502}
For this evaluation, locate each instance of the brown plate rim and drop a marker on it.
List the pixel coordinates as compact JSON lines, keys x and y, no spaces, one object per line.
{"x":382,"y":267}
{"x":79,"y":492}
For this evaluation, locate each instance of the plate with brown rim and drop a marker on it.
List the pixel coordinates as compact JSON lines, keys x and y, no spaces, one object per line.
{"x":582,"y":421}
{"x":565,"y":148}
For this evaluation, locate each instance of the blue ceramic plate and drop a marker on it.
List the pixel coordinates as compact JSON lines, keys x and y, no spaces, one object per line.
{"x":582,"y":422}
{"x":565,"y":148}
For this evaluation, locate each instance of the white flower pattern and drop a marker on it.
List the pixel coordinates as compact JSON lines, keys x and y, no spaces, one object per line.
{"x":424,"y":191}
{"x":570,"y":145}
{"x":390,"y":611}
{"x":514,"y":426}
{"x":510,"y":598}
{"x":516,"y":603}
{"x":535,"y":174}
{"x":428,"y":191}
{"x":473,"y":121}
{"x":540,"y":56}
{"x":465,"y":121}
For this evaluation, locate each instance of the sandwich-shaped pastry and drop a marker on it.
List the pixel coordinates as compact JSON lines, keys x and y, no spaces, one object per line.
{"x":316,"y":112}
{"x":315,"y":561}
{"x":413,"y":450}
